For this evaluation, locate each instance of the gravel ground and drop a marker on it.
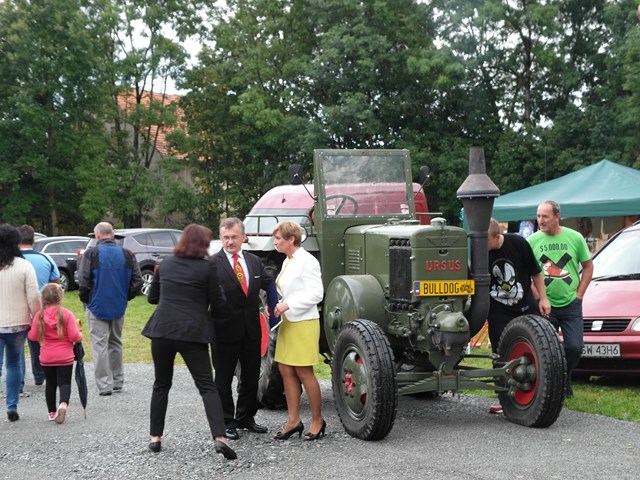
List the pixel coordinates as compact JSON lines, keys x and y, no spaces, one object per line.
{"x":451,"y":437}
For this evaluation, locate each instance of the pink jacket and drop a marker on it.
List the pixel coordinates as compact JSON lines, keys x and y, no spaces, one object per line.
{"x":53,"y":351}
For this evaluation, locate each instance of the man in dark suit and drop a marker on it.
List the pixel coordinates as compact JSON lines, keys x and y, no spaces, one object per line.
{"x":237,"y":334}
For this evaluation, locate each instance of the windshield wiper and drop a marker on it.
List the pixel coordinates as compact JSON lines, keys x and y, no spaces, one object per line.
{"x":626,"y":276}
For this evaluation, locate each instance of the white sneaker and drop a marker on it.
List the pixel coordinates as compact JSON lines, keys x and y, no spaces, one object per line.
{"x":496,"y":409}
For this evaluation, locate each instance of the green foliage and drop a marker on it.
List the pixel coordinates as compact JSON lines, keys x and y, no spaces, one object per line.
{"x":287,"y":77}
{"x":547,"y":87}
{"x":50,"y":79}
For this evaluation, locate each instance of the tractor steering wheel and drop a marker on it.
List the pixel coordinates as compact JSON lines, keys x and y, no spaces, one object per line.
{"x":344,"y":199}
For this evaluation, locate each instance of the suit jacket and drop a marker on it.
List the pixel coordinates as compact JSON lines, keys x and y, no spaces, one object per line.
{"x":185,"y":289}
{"x":241,"y":317}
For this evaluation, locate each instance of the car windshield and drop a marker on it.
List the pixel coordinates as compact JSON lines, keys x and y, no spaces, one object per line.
{"x":620,"y":258}
{"x":262,"y":221}
{"x":365,"y":184}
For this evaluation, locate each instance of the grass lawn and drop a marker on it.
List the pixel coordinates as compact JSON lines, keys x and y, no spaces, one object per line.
{"x":137,"y":348}
{"x":612,"y":397}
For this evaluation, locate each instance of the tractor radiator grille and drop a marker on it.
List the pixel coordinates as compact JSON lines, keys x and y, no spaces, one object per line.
{"x":354,"y":261}
{"x":400,"y":270}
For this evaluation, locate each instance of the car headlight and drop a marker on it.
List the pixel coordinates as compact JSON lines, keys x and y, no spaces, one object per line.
{"x":635,"y":325}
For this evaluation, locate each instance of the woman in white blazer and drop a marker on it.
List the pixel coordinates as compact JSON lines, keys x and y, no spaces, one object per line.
{"x":297,"y":350}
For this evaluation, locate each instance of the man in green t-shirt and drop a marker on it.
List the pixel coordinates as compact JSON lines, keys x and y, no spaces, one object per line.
{"x":560,"y":252}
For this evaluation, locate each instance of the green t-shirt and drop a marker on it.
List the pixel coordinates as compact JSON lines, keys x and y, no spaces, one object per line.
{"x":560,"y":257}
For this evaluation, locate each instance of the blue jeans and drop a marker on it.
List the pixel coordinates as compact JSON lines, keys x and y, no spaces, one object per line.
{"x":13,"y":344}
{"x":569,"y":319}
{"x":36,"y":369}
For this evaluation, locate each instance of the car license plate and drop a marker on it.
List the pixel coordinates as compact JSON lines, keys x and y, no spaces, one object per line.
{"x":444,"y":288}
{"x":604,"y":350}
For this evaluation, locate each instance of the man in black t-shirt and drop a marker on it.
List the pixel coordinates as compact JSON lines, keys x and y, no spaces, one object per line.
{"x":513,"y":267}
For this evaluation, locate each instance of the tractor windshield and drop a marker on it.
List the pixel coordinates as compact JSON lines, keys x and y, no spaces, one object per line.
{"x":365,"y":185}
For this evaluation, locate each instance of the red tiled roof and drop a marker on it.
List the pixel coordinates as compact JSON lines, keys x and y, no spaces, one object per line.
{"x":127,"y":103}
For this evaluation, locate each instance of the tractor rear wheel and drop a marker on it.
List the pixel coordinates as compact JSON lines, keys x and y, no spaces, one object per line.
{"x":364,"y":382}
{"x":541,"y":378}
{"x":270,"y":383}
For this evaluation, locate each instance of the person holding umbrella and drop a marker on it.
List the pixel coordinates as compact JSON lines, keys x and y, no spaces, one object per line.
{"x":56,"y":329}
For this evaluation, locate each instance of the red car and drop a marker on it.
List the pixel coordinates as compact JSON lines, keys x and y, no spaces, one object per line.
{"x":611,"y":308}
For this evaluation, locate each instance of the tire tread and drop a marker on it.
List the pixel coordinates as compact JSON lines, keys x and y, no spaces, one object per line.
{"x":382,"y":392}
{"x":551,"y":363}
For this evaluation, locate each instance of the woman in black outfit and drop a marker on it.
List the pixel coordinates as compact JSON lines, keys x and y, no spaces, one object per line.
{"x":184,"y":287}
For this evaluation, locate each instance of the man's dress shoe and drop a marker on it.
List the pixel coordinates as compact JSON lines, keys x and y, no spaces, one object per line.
{"x":231,"y":434}
{"x":254,"y":427}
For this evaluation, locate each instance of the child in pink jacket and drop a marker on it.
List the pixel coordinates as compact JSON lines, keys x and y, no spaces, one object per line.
{"x":56,"y":329}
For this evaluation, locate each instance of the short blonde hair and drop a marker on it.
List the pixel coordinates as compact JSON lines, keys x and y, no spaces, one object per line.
{"x":288,"y":230}
{"x":494,"y":228}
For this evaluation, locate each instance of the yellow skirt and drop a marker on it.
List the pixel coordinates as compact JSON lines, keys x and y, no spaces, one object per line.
{"x":298,"y":343}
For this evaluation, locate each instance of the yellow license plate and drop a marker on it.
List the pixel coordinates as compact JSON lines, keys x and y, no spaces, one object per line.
{"x":444,"y":288}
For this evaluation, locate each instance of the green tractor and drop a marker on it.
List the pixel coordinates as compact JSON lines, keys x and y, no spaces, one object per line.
{"x":403,"y":297}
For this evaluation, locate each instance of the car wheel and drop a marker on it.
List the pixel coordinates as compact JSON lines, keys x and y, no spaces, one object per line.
{"x":147,"y":277}
{"x":65,"y":281}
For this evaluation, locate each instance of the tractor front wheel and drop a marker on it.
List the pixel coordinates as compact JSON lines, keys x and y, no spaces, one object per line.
{"x":364,"y":382}
{"x":540,"y":379}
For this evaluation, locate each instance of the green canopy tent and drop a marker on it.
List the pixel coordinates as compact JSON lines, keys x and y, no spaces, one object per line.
{"x":604,"y":189}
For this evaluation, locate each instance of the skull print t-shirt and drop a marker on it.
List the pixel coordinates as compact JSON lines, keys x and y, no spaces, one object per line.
{"x":511,"y":267}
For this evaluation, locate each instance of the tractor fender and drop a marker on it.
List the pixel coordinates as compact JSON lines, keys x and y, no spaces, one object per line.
{"x":351,"y":297}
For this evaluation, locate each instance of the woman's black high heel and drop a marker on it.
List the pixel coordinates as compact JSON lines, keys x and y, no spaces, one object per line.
{"x":315,"y":436}
{"x":285,"y":435}
{"x":225,"y":450}
{"x":155,"y":446}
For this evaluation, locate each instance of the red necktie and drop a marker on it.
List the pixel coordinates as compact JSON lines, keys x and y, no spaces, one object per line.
{"x":237,"y":267}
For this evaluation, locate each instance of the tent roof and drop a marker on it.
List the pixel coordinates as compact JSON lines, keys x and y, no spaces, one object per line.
{"x":604,"y":189}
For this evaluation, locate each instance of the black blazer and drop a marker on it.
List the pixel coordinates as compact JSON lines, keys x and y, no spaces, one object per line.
{"x":241,"y":316}
{"x":184,"y":290}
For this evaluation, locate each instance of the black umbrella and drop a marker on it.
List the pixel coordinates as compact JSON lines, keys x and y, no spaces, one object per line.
{"x":81,"y":378}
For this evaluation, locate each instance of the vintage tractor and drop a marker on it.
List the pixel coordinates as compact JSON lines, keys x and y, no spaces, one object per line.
{"x":402,"y":300}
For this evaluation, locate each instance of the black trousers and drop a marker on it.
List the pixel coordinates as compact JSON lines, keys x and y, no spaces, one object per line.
{"x":57,"y":377}
{"x":498,"y":322}
{"x":196,"y":357}
{"x":225,"y":357}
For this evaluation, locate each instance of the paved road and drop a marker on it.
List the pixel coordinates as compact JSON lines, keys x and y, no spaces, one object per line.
{"x":446,"y":438}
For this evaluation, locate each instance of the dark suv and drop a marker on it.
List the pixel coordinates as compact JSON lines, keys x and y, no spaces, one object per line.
{"x":64,"y":252}
{"x":148,"y":245}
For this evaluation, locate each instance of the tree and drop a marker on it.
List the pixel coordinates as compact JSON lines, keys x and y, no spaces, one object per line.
{"x":286,"y":77}
{"x":52,"y":84}
{"x":545,"y":78}
{"x":143,"y":51}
